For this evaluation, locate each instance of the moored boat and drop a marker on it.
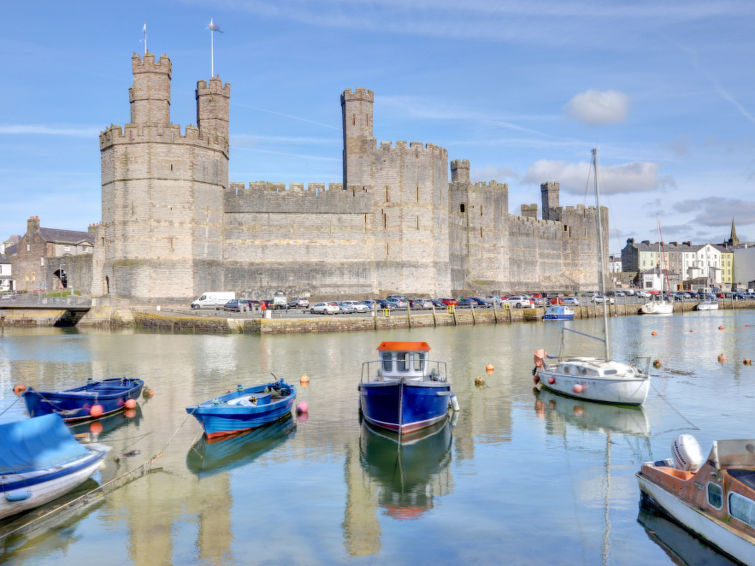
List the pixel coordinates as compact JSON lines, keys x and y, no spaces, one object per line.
{"x":713,"y":498}
{"x":92,"y":400}
{"x":657,"y":306}
{"x":40,"y":460}
{"x":707,"y":306}
{"x":558,"y":312}
{"x":404,"y":391}
{"x":591,"y":378}
{"x":245,"y":408}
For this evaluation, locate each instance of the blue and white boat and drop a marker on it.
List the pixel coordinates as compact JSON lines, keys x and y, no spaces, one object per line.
{"x":40,"y":460}
{"x":404,"y":391}
{"x":92,"y":400}
{"x":245,"y":408}
{"x":558,"y":312}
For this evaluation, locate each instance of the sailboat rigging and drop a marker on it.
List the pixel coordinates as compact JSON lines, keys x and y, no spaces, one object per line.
{"x":591,"y":378}
{"x":663,"y":304}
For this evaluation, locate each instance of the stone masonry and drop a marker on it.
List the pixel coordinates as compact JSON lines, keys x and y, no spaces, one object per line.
{"x":173,"y":226}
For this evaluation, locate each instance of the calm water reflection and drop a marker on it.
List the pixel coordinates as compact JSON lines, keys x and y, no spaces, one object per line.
{"x":326,"y":490}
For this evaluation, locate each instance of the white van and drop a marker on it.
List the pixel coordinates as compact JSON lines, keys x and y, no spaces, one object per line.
{"x":213,"y":299}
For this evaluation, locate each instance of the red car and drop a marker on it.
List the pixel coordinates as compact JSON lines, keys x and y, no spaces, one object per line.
{"x":449,"y":302}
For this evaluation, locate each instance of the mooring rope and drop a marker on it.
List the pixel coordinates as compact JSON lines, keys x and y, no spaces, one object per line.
{"x":677,"y":411}
{"x":16,"y":400}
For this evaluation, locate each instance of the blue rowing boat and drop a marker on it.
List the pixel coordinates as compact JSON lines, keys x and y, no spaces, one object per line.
{"x":93,"y":400}
{"x":40,"y":460}
{"x":244,"y":409}
{"x":558,"y":312}
{"x":404,"y":391}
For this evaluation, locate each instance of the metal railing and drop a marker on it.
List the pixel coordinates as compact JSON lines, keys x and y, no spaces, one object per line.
{"x":434,"y":370}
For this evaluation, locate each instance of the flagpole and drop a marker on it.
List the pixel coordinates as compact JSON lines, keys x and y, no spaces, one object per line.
{"x":212,"y":51}
{"x":145,"y":38}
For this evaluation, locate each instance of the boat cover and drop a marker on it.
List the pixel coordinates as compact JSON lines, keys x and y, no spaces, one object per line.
{"x":36,"y":444}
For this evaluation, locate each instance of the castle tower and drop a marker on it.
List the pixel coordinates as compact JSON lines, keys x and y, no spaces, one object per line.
{"x":549,"y":194}
{"x":162,"y":192}
{"x":460,"y":171}
{"x":213,"y":107}
{"x":150,"y":94}
{"x":356,"y":111}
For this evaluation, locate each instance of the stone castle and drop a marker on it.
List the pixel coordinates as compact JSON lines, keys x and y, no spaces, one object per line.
{"x":173,"y":226}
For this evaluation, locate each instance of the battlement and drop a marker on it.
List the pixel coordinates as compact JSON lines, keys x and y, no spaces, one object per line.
{"x":159,"y":133}
{"x":148,"y":64}
{"x":359,"y":94}
{"x":265,"y":197}
{"x":216,"y":86}
{"x":417,"y":148}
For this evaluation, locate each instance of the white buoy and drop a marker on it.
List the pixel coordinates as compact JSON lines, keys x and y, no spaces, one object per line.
{"x":454,"y":402}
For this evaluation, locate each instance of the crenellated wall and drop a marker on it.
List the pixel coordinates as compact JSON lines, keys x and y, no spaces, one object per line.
{"x":173,"y":227}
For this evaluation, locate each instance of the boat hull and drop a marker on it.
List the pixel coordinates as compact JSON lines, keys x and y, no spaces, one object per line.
{"x":707,"y":306}
{"x":75,"y":405}
{"x":21,"y":492}
{"x":630,"y":391}
{"x":711,"y":530}
{"x":230,"y":414}
{"x":657,"y":308}
{"x":404,"y":407}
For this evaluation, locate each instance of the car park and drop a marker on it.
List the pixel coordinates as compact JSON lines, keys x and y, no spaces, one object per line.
{"x":325,"y":308}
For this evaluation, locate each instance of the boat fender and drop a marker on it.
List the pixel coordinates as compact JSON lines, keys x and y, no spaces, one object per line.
{"x":686,"y":453}
{"x":18,"y":389}
{"x":454,"y":402}
{"x":18,"y":495}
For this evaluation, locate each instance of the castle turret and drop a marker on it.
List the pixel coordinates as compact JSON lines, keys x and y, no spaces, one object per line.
{"x":549,"y":194}
{"x":460,"y":171}
{"x":356,"y":110}
{"x":213,"y":106}
{"x":150,"y":94}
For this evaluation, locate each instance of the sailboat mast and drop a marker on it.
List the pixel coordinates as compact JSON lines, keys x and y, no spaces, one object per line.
{"x":663,"y":265}
{"x":601,"y":278}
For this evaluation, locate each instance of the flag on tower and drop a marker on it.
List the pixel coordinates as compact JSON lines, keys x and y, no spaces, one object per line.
{"x":214,"y":27}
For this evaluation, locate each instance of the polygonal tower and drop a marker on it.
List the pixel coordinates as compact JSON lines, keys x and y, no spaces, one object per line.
{"x":358,"y":140}
{"x":162,"y":192}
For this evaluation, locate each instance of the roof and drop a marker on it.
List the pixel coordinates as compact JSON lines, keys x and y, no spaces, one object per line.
{"x":11,"y":250}
{"x":404,"y":347}
{"x":65,"y":236}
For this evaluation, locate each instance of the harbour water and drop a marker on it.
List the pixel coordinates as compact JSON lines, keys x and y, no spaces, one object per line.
{"x":515,"y":478}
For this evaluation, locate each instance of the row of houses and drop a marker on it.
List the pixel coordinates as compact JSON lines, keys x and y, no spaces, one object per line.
{"x":727,"y":266}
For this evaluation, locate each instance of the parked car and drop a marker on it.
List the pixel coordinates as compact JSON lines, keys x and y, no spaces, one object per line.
{"x":600,"y":299}
{"x":398,"y":302}
{"x":570,"y":301}
{"x":325,"y":308}
{"x":299,"y":302}
{"x":383,"y":304}
{"x":438,"y":303}
{"x":467,"y":302}
{"x":419,"y":304}
{"x":355,"y":306}
{"x":494,"y":300}
{"x":484,"y":303}
{"x":346,"y":307}
{"x":449,"y":302}
{"x":238,"y":305}
{"x":372,"y":304}
{"x":519,"y":301}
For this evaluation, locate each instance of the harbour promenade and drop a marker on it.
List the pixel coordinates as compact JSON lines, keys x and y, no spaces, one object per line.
{"x":106,"y":314}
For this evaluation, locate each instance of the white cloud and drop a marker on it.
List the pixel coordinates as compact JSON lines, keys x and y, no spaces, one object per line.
{"x":495,"y":173}
{"x":596,"y":107}
{"x":639,"y":176}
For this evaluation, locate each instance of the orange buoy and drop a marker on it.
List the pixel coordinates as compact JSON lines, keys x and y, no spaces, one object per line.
{"x":130,"y":404}
{"x":304,"y":379}
{"x":478,"y":381}
{"x":578,"y":411}
{"x":654,"y":333}
{"x":19,"y":388}
{"x":721,"y":358}
{"x":578,"y":388}
{"x":657,"y":363}
{"x":691,"y":330}
{"x":551,"y":380}
{"x":96,"y":411}
{"x":129,"y":413}
{"x":489,"y":368}
{"x":721,"y":327}
{"x":148,"y":393}
{"x":95,"y":427}
{"x":747,"y":362}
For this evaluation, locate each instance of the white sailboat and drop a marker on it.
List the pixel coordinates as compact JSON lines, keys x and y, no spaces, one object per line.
{"x":662,"y":304}
{"x":590,"y":378}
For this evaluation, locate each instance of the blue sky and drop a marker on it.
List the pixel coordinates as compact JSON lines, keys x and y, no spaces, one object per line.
{"x":524,"y":90}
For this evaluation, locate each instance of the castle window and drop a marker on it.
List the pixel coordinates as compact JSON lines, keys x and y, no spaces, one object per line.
{"x":566,"y":228}
{"x":480,"y":210}
{"x":353,"y":119}
{"x":480,"y":231}
{"x":417,"y":193}
{"x":365,"y":222}
{"x":385,"y":221}
{"x":461,"y":207}
{"x":417,"y":222}
{"x":387,"y":193}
